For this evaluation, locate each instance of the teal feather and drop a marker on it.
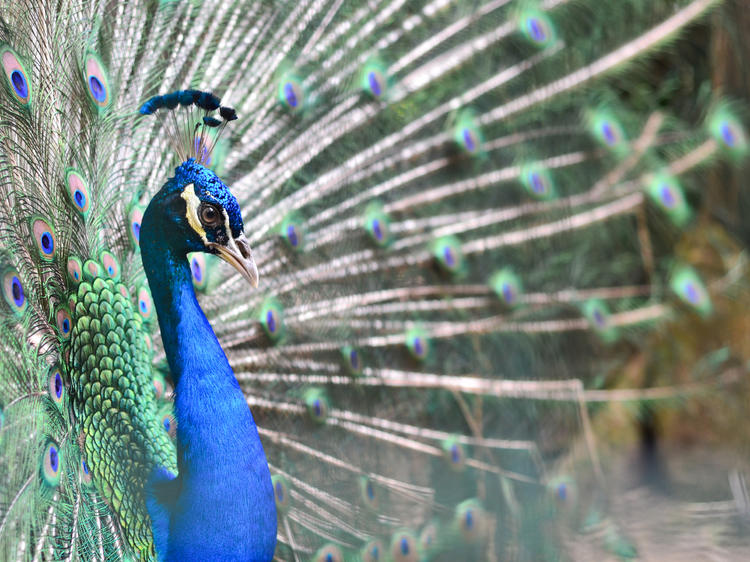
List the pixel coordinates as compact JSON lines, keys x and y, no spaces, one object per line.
{"x":477,"y":228}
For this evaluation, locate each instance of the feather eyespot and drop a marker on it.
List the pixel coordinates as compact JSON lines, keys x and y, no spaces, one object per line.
{"x":374,"y":79}
{"x":44,"y":236}
{"x":368,"y":493}
{"x":97,"y":89}
{"x":111,"y":265}
{"x":454,"y":454}
{"x":727,"y":129}
{"x":18,"y":78}
{"x":134,"y":220}
{"x":667,"y":194}
{"x":537,"y":27}
{"x":378,"y":225}
{"x":160,"y":386}
{"x":376,"y":83}
{"x":470,"y":519}
{"x":291,"y":235}
{"x":55,"y":386}
{"x":64,"y":323}
{"x":599,"y":318}
{"x":562,"y":491}
{"x":469,"y":138}
{"x":199,"y":263}
{"x":97,"y":83}
{"x":418,"y":344}
{"x":691,"y":294}
{"x":537,"y":184}
{"x":86,"y":476}
{"x":317,"y":405}
{"x":272,"y":319}
{"x":689,"y":287}
{"x":292,"y":232}
{"x":467,"y":134}
{"x":727,"y":134}
{"x":404,"y":547}
{"x":428,"y":537}
{"x":145,"y":305}
{"x":329,"y":553}
{"x":75,"y":270}
{"x":281,"y":492}
{"x":507,"y":286}
{"x":352,"y":360}
{"x":51,"y":464}
{"x":377,"y":229}
{"x":537,"y":181}
{"x":448,"y":254}
{"x":732,"y":135}
{"x":169,"y":424}
{"x":608,"y":133}
{"x":13,"y":291}
{"x":608,"y":130}
{"x":353,"y":356}
{"x":536,"y":30}
{"x":21,"y":87}
{"x":291,"y":94}
{"x":372,"y":552}
{"x":78,"y":191}
{"x":92,"y":270}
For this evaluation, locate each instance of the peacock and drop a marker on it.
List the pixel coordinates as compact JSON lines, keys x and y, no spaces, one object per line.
{"x":338,"y":280}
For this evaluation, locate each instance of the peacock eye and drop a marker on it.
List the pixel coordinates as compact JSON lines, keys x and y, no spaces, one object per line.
{"x":210,"y":215}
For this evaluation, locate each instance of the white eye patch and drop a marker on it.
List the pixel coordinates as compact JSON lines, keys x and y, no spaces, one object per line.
{"x":192,"y":203}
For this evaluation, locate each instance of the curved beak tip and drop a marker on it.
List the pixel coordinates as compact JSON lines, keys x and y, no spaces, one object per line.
{"x":238,"y":254}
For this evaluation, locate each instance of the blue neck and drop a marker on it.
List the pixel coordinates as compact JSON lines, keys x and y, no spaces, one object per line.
{"x":223,"y":505}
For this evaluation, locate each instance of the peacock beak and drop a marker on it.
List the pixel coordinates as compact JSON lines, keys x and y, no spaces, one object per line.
{"x":237,"y":253}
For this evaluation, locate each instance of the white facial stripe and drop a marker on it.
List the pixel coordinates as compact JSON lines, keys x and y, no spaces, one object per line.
{"x":232,"y":244}
{"x":192,"y":202}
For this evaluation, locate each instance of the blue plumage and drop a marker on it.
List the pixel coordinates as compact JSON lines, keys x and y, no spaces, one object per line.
{"x":221,"y":505}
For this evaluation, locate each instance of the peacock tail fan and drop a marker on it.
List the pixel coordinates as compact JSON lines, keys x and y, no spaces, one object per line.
{"x":468,"y":221}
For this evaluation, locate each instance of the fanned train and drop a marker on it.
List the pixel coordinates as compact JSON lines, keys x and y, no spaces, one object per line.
{"x":469,"y":220}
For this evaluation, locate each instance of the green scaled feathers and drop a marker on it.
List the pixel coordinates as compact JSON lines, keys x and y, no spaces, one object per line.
{"x":114,"y":404}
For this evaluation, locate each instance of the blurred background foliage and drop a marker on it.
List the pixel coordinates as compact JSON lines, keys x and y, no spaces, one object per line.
{"x":689,"y":448}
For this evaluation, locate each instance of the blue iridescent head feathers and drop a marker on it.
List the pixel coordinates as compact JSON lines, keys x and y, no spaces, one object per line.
{"x":209,"y":189}
{"x":194,"y":211}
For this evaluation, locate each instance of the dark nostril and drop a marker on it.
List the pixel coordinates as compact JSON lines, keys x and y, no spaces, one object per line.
{"x":244,"y":248}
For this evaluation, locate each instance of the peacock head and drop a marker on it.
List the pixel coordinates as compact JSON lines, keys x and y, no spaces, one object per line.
{"x":195,"y":212}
